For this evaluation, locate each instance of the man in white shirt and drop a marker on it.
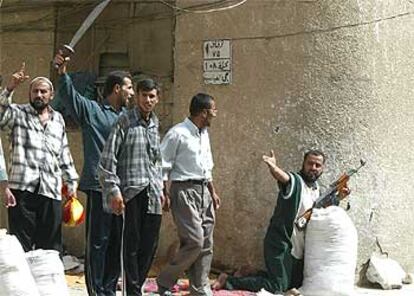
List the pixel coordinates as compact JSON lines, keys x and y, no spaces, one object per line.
{"x":188,"y":164}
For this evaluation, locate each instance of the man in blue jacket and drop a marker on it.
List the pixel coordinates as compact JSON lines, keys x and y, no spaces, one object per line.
{"x":103,"y":230}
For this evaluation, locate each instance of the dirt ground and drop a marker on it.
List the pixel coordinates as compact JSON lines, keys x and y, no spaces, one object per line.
{"x":76,"y":285}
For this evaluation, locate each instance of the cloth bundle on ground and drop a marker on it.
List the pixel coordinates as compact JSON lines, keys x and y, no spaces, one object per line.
{"x":331,"y":244}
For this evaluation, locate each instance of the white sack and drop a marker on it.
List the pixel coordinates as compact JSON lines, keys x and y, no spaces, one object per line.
{"x":331,"y":243}
{"x":386,"y":272}
{"x":15,"y":276}
{"x":47,"y":270}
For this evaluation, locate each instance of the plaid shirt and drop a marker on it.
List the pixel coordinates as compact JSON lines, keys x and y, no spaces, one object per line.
{"x":40,"y":154}
{"x":131,"y":160}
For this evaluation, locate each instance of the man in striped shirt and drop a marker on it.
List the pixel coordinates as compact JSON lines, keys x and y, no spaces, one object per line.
{"x":40,"y":159}
{"x":131,"y":179}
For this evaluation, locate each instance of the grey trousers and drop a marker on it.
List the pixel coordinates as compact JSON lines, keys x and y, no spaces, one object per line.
{"x":193,"y":212}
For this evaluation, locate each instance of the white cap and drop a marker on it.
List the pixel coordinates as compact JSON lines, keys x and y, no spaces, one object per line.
{"x":44,"y":79}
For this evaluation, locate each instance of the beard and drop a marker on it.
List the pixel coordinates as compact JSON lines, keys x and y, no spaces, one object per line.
{"x":309,"y":177}
{"x":38,"y":104}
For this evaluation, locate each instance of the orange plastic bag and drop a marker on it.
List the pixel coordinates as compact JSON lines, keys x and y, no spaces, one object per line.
{"x":73,"y":211}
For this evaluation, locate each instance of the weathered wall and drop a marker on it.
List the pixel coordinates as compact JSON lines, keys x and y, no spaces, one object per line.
{"x":31,"y":32}
{"x":336,"y":75}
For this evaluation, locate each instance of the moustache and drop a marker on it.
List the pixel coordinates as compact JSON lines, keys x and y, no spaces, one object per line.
{"x":38,"y":104}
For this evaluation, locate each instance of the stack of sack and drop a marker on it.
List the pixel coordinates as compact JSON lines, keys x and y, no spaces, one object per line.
{"x":35,"y":273}
{"x":331,"y":244}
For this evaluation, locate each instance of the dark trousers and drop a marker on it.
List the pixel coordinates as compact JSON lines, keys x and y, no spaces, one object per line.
{"x":283,"y":272}
{"x":265,"y":280}
{"x":103,"y":248}
{"x":141,"y":232}
{"x":36,"y":221}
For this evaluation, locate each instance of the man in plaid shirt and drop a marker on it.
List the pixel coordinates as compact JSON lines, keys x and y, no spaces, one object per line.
{"x":40,"y":159}
{"x":131,"y":179}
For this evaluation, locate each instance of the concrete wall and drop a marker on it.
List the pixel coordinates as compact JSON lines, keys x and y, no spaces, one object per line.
{"x":336,"y":75}
{"x":31,"y":32}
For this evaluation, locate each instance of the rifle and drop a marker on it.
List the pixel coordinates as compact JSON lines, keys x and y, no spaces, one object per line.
{"x":332,"y":196}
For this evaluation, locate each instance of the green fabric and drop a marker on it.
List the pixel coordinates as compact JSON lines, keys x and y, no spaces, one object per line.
{"x":283,"y":270}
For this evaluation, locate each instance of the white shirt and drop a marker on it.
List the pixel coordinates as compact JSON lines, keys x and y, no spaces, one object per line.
{"x":308,"y":196}
{"x":186,"y":153}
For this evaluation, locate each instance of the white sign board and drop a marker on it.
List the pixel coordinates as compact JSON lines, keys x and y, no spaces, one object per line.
{"x":217,"y":62}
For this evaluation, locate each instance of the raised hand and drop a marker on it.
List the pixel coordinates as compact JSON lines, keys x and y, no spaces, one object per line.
{"x":18,"y":78}
{"x":61,"y":61}
{"x":276,"y":172}
{"x":270,"y":160}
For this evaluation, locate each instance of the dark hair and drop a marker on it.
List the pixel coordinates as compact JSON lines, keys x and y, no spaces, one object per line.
{"x":199,"y":103}
{"x":315,"y":152}
{"x":114,"y":78}
{"x":148,"y":85}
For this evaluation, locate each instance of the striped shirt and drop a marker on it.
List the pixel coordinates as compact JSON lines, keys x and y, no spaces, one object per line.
{"x":40,"y":156}
{"x":131,"y":160}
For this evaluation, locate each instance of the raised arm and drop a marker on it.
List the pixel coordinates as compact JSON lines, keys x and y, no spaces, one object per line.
{"x":17,"y":78}
{"x":6,"y":112}
{"x":78,"y":106}
{"x":277,"y":173}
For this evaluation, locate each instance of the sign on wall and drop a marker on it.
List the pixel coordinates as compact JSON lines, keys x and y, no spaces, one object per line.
{"x":217,"y":61}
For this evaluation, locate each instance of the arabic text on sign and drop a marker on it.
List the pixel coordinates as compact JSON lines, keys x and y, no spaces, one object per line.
{"x":217,"y":77}
{"x":217,"y":65}
{"x":216,"y":49}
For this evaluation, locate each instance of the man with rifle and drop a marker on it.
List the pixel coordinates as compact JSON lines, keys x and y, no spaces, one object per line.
{"x":284,"y":242}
